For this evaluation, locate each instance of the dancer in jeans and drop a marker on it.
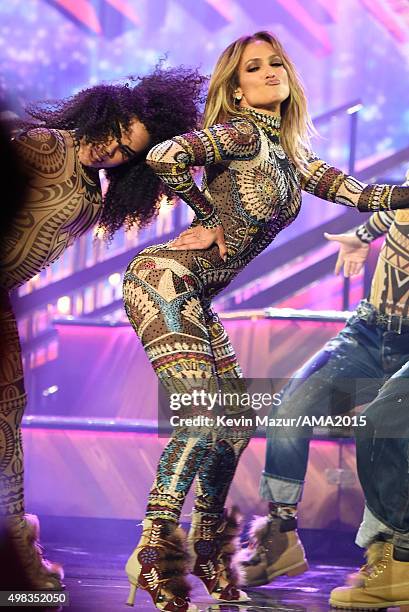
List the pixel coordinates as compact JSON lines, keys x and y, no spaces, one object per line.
{"x":383,"y":468}
{"x":347,"y":372}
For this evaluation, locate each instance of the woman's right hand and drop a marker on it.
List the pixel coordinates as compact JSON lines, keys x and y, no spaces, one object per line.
{"x":199,"y":237}
{"x":352,"y":253}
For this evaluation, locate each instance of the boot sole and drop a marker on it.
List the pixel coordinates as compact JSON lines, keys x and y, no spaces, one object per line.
{"x":293,"y":570}
{"x":380,"y":606}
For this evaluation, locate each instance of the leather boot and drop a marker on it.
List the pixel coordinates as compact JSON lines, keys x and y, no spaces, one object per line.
{"x":384,"y":581}
{"x":274,"y":550}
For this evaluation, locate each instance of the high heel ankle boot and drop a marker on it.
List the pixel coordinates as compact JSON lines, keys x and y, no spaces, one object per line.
{"x":25,"y":536}
{"x":212,"y":543}
{"x":159,"y":566}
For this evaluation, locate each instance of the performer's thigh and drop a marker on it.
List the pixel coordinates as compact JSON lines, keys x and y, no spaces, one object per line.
{"x":163,"y":296}
{"x":13,"y":401}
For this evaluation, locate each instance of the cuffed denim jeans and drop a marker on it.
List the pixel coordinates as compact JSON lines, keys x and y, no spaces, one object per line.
{"x":349,"y":371}
{"x":383,"y":463}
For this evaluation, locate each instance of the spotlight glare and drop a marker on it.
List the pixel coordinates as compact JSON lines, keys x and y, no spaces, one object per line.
{"x":114,"y":279}
{"x":64,"y":304}
{"x":50,"y":390}
{"x":354,"y":109}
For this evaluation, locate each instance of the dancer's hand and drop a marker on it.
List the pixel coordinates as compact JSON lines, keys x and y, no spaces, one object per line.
{"x":352,"y":253}
{"x":199,"y":237}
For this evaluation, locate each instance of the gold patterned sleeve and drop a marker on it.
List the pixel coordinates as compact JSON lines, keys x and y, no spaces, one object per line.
{"x":42,"y":150}
{"x":172,"y":160}
{"x":331,"y":184}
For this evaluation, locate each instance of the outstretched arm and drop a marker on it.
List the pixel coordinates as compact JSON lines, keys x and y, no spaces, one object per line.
{"x":331,"y":184}
{"x":352,"y":253}
{"x":173,"y":159}
{"x":354,"y":246}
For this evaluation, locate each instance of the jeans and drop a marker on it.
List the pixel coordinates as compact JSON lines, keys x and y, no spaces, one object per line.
{"x":347,"y":372}
{"x":383,"y":463}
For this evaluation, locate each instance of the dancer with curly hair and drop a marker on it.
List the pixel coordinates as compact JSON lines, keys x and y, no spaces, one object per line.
{"x":107,"y":127}
{"x":256,"y":154}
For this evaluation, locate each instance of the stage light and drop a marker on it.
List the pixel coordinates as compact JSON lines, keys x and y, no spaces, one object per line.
{"x":114,"y":279}
{"x":354,"y":109}
{"x":50,"y":390}
{"x":64,"y":304}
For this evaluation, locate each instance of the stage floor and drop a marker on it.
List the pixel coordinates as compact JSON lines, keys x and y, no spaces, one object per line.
{"x":94,"y":554}
{"x":98,"y":583}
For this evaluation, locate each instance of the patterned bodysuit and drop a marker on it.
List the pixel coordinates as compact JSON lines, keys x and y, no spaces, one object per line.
{"x":63,"y":201}
{"x":254,"y":191}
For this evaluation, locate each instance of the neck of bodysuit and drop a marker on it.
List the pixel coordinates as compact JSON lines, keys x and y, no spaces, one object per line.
{"x":270,"y":124}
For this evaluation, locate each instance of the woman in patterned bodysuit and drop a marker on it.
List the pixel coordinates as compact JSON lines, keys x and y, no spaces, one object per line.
{"x":109,"y":127}
{"x":256,"y":164}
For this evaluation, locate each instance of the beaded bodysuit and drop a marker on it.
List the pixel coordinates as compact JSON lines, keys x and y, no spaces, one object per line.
{"x":254,"y":191}
{"x":252,"y":188}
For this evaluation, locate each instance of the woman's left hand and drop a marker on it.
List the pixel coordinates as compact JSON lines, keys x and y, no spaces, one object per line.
{"x":199,"y":237}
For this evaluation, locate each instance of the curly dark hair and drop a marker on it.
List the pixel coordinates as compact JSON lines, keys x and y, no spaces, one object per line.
{"x":167,"y":101}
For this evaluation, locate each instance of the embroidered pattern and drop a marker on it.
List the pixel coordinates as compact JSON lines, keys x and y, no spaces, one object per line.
{"x":253,"y":189}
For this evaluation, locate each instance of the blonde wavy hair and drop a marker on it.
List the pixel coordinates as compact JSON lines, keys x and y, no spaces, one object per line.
{"x":296,"y":124}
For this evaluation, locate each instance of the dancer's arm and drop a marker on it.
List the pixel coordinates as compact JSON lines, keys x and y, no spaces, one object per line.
{"x":354,"y":246}
{"x":331,"y":184}
{"x":377,"y":225}
{"x":172,"y":160}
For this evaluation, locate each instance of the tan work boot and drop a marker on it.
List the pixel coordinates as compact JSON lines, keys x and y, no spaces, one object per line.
{"x":385,"y":582}
{"x":25,"y":534}
{"x":373,"y":554}
{"x":275,"y":549}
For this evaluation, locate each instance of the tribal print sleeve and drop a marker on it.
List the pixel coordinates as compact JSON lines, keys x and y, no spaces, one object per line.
{"x":377,"y":225}
{"x":331,"y":184}
{"x":172,"y":160}
{"x":42,"y":150}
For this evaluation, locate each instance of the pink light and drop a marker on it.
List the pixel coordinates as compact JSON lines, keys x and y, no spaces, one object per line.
{"x":385,"y":18}
{"x":83,"y":433}
{"x":83,"y":11}
{"x":299,"y":13}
